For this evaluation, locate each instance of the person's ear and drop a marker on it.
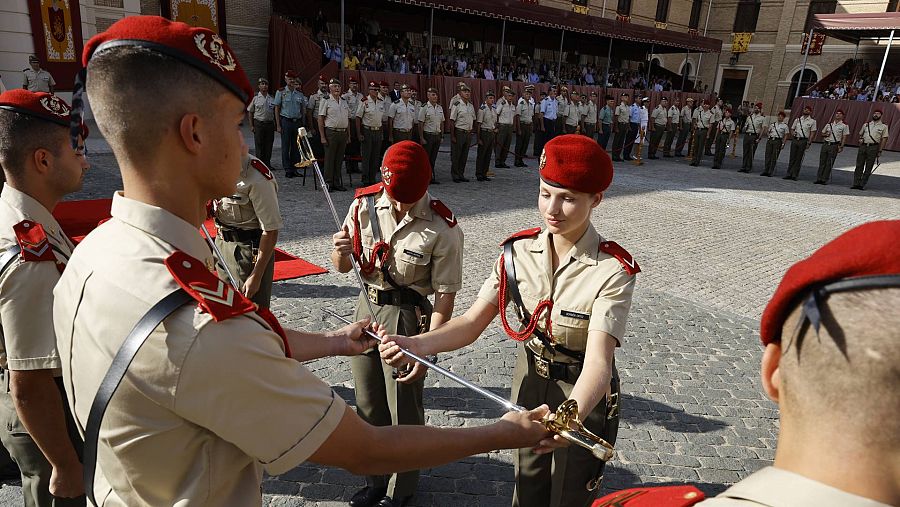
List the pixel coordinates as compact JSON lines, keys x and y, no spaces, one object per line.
{"x":43,"y":160}
{"x":189,"y":133}
{"x":770,"y":371}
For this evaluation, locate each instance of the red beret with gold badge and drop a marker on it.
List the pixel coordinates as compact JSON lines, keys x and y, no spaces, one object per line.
{"x":576,"y":162}
{"x":41,"y":105}
{"x":406,"y":171}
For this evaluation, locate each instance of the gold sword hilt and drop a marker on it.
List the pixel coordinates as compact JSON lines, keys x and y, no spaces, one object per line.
{"x":566,"y":423}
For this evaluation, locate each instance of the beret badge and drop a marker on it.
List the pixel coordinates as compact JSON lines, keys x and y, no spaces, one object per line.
{"x":214,"y":49}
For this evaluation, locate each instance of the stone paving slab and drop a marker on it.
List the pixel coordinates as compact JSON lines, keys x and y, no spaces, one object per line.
{"x":712,"y":244}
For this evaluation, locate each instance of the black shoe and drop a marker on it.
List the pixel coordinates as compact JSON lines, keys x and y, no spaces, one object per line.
{"x":435,"y":182}
{"x":743,"y":170}
{"x":520,"y":164}
{"x":341,"y":188}
{"x":694,"y":165}
{"x":465,"y":180}
{"x":707,"y":153}
{"x":679,"y":155}
{"x":617,"y":159}
{"x":390,"y":502}
{"x":716,"y":167}
{"x":485,"y":178}
{"x":654,"y":157}
{"x":368,"y":497}
{"x":667,"y":155}
{"x":817,"y":182}
{"x":788,"y":177}
{"x":856,"y":187}
{"x":292,"y":174}
{"x":501,"y":166}
{"x":628,"y":159}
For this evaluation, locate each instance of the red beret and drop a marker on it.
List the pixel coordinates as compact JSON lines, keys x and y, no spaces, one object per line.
{"x":38,"y":104}
{"x":576,"y":162}
{"x":878,"y":110}
{"x":839,"y":111}
{"x":353,"y":80}
{"x":384,"y":83}
{"x":322,"y":78}
{"x":406,"y":171}
{"x":759,"y":105}
{"x":781,"y":113}
{"x":290,"y":74}
{"x":200,"y":48}
{"x":373,"y":84}
{"x":867,"y":250}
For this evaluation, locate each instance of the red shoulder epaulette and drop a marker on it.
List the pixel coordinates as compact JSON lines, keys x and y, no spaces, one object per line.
{"x":260,"y":166}
{"x":217,"y":298}
{"x":370,"y":190}
{"x":527,"y":233}
{"x":33,"y":241}
{"x":665,"y":496}
{"x":628,"y":262}
{"x":441,"y":209}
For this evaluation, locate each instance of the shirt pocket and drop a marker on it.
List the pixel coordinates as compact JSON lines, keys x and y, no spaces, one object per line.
{"x":570,"y":328}
{"x":235,"y":209}
{"x":412,"y":264}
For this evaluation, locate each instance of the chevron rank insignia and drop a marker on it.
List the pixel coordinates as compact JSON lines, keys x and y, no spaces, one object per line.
{"x":527,"y":233}
{"x":217,"y":298}
{"x":260,"y":166}
{"x":33,"y":241}
{"x":665,"y":496}
{"x":444,"y":212}
{"x":614,"y":249}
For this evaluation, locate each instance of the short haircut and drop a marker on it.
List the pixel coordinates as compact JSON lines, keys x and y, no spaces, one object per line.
{"x":137,"y":95}
{"x":22,"y":134}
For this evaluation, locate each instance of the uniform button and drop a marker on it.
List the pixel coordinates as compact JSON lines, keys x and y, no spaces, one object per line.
{"x":26,"y":225}
{"x":186,"y":264}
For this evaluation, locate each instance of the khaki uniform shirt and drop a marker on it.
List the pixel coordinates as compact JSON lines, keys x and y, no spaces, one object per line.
{"x":454,"y":101}
{"x":674,"y":114}
{"x":773,"y":487}
{"x":717,"y":113}
{"x":315,"y":100}
{"x":573,"y":114}
{"x":426,"y":253}
{"x":506,"y":112}
{"x":777,"y":130}
{"x":262,"y":107}
{"x":704,"y":118}
{"x":336,"y":113}
{"x":563,"y":105}
{"x":353,"y":100}
{"x":431,"y":117}
{"x":404,"y":114}
{"x":590,"y":113}
{"x":726,"y":125}
{"x":590,"y":290}
{"x":206,"y":405}
{"x":464,"y":115}
{"x":686,"y":114}
{"x":834,"y":132}
{"x":803,"y":127}
{"x":623,"y":113}
{"x":873,"y":132}
{"x":659,"y":117}
{"x":371,"y":112}
{"x":754,"y":124}
{"x":254,"y":204}
{"x":487,"y":117}
{"x":27,"y":338}
{"x":525,"y":110}
{"x":39,"y":81}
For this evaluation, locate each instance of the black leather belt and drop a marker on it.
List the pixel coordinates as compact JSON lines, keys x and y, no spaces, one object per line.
{"x":263,"y":121}
{"x":336,"y":129}
{"x":240,"y":235}
{"x":871,"y":144}
{"x":552,"y":370}
{"x":801,"y":138}
{"x":383,"y":297}
{"x":377,"y":129}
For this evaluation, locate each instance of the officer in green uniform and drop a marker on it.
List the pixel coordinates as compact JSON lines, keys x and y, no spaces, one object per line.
{"x":702,"y":119}
{"x":524,"y":124}
{"x":247,"y":225}
{"x":802,"y":131}
{"x":659,"y":123}
{"x":36,"y":79}
{"x":431,"y":128}
{"x":485,"y":132}
{"x":462,"y":121}
{"x":776,"y":137}
{"x":725,"y":131}
{"x":834,"y":135}
{"x":409,"y":247}
{"x":872,"y":138}
{"x":334,"y":122}
{"x":753,"y":127}
{"x":506,"y":115}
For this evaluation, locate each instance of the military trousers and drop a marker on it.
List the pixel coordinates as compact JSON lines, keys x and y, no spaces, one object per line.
{"x":683,"y":134}
{"x":798,"y":150}
{"x":751,"y":141}
{"x":371,"y":154}
{"x":432,"y":146}
{"x":671,"y":131}
{"x":559,"y":126}
{"x":655,"y":139}
{"x":353,"y":149}
{"x":605,"y":133}
{"x":826,"y":161}
{"x":290,"y":153}
{"x":630,"y":139}
{"x":459,"y":153}
{"x":263,"y":138}
{"x":334,"y":155}
{"x":563,"y":477}
{"x":398,"y":135}
{"x":381,"y":400}
{"x":539,"y":139}
{"x":700,"y":137}
{"x":710,"y":141}
{"x":550,"y":132}
{"x":504,"y":140}
{"x":721,"y":149}
{"x":865,"y":164}
{"x":571,"y":129}
{"x":240,"y":257}
{"x":485,"y":148}
{"x":773,"y":149}
{"x":522,"y":140}
{"x":23,"y":450}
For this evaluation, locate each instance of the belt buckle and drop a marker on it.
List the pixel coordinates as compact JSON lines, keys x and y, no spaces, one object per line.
{"x":542,"y":367}
{"x":372,"y":294}
{"x":612,"y":408}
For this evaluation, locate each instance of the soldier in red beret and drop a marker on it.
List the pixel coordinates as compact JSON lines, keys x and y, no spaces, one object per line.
{"x":834,"y":136}
{"x":192,"y":410}
{"x":571,"y":290}
{"x":725,"y":132}
{"x":830,"y":363}
{"x":409,"y":247}
{"x":40,"y":166}
{"x":753,"y":128}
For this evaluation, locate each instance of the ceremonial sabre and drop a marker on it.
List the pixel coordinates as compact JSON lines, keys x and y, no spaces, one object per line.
{"x":309,"y":158}
{"x":219,"y":258}
{"x":565,"y":423}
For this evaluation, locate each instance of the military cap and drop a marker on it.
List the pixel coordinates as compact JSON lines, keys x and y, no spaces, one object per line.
{"x":33,"y":58}
{"x":334,"y":81}
{"x":877,"y":110}
{"x":290,"y":74}
{"x":625,"y":94}
{"x":705,"y":102}
{"x":807,"y":106}
{"x":373,"y":84}
{"x":507,"y":89}
{"x":384,"y":83}
{"x":490,"y":93}
{"x":464,"y":88}
{"x":759,"y":105}
{"x":406,"y":171}
{"x":690,"y":99}
{"x":645,"y":99}
{"x":322,"y":78}
{"x":839,"y":111}
{"x":564,"y":88}
{"x":593,"y":94}
{"x":460,"y":85}
{"x":353,"y":80}
{"x":781,"y":113}
{"x":576,"y":162}
{"x":41,"y":105}
{"x":404,"y":87}
{"x":432,"y":90}
{"x":862,"y":258}
{"x":262,"y":80}
{"x":529,"y":88}
{"x":610,"y":97}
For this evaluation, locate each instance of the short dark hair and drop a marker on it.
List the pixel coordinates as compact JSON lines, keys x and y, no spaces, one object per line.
{"x":22,"y":134}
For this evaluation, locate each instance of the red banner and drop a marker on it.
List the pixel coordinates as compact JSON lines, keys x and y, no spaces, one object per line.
{"x":203,"y":13}
{"x":56,"y":30}
{"x":817,"y":42}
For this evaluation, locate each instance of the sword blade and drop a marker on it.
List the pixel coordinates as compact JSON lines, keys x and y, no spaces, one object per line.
{"x":219,"y":258}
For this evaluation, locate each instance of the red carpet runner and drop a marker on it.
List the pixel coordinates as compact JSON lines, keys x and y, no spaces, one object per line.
{"x":78,"y":218}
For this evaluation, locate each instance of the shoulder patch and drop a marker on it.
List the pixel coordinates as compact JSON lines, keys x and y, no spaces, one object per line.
{"x":527,"y":233}
{"x":370,"y":190}
{"x":665,"y":496}
{"x":260,"y":166}
{"x":625,"y":258}
{"x":441,"y":209}
{"x":33,"y":241}
{"x":220,"y":300}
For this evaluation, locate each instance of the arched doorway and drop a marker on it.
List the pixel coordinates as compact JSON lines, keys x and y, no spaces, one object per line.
{"x":687,"y":71}
{"x":809,"y":78}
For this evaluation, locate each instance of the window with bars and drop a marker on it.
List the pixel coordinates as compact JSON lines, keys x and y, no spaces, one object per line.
{"x":747,"y":15}
{"x":662,"y":11}
{"x":624,"y":8}
{"x":696,"y":6}
{"x":819,"y":7}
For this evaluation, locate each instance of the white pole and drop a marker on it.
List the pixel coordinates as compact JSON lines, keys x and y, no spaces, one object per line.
{"x":705,"y":28}
{"x":603,"y":12}
{"x":562,"y":38}
{"x":805,"y":58}
{"x":608,"y":63}
{"x":502,"y":44}
{"x":430,"y":41}
{"x":343,"y":46}
{"x":883,"y":63}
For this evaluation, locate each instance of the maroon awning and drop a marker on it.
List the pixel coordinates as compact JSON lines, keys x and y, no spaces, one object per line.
{"x":853,"y":27}
{"x":550,"y":17}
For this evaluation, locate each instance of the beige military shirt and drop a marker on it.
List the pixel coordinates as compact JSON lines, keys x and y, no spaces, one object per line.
{"x":254,"y":203}
{"x":726,"y":125}
{"x":487,"y":117}
{"x":336,"y":113}
{"x":573,"y":114}
{"x":454,"y":101}
{"x":27,"y":339}
{"x":262,"y":107}
{"x":371,"y":112}
{"x":803,"y":127}
{"x":777,"y":130}
{"x":703,"y":118}
{"x":463,"y":115}
{"x":623,"y":113}
{"x":314,"y":102}
{"x":686,"y":114}
{"x":774,"y":487}
{"x":590,"y":113}
{"x":431,"y":116}
{"x":426,"y":253}
{"x":563,"y":104}
{"x":674,"y":114}
{"x":834,"y":132}
{"x":873,"y":132}
{"x":353,"y":100}
{"x":659,"y":116}
{"x":717,"y":113}
{"x":590,"y":290}
{"x":404,"y":114}
{"x":506,"y":112}
{"x":754,"y":124}
{"x":206,"y":405}
{"x":39,"y":81}
{"x":525,"y":110}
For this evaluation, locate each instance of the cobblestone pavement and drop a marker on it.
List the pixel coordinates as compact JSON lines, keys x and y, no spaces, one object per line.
{"x":712,"y":244}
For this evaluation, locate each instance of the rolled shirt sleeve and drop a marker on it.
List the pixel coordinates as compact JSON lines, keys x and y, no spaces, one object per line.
{"x":490,"y":289}
{"x":264,"y":198}
{"x":447,"y":261}
{"x":609,"y":312}
{"x":26,"y":314}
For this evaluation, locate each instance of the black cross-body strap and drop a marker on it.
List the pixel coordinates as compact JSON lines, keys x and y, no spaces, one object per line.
{"x":129,"y":348}
{"x":8,"y":257}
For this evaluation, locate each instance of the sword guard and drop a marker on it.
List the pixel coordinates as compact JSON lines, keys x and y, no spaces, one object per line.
{"x":566,"y":423}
